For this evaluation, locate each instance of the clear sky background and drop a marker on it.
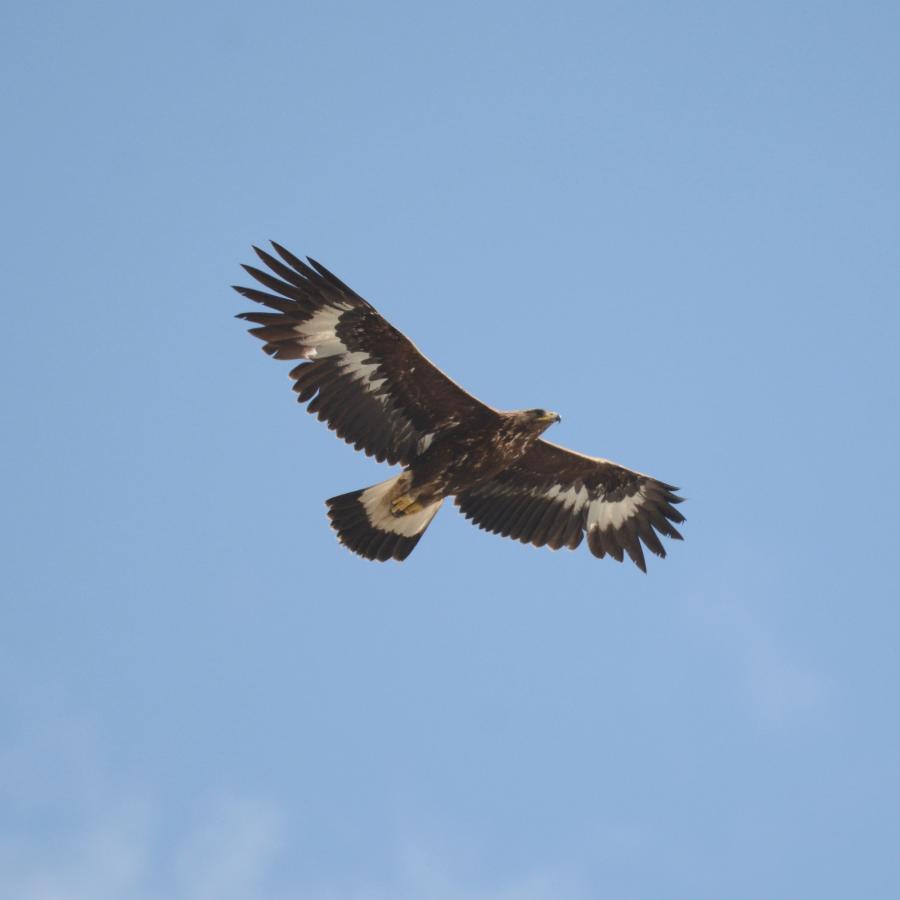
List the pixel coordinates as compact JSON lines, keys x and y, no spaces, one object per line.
{"x":674,"y":223}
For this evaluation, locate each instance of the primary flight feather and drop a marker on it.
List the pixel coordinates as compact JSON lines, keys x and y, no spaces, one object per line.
{"x":371,"y":385}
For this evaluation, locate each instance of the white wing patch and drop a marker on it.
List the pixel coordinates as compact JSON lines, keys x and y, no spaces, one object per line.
{"x":358,"y":365}
{"x":319,"y":332}
{"x":572,"y":498}
{"x":604,"y":514}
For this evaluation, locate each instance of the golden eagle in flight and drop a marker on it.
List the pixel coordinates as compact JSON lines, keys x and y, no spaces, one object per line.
{"x":371,"y":385}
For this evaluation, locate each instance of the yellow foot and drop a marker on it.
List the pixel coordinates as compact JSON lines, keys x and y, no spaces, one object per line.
{"x":405,"y":506}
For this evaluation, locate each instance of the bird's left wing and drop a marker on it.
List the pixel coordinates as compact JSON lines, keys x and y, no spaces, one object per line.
{"x":554,"y":496}
{"x":364,"y":378}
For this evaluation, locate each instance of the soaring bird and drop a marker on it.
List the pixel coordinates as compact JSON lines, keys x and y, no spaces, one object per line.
{"x":373,"y":387}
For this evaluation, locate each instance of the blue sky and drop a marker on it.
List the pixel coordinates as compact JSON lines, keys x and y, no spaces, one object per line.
{"x":677,"y":225}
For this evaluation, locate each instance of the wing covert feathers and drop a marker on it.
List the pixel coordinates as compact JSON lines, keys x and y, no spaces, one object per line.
{"x":358,"y":373}
{"x":555,"y":497}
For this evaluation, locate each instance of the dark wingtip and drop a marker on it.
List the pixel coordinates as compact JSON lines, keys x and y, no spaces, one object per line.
{"x":330,"y":277}
{"x":262,"y":255}
{"x":323,"y":271}
{"x":286,"y":255}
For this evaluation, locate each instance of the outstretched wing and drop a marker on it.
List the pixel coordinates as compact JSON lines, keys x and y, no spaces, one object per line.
{"x":362,"y":376}
{"x":553,"y":496}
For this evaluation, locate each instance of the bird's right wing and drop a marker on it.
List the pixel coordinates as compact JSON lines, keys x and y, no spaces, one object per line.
{"x":364,"y":378}
{"x":555,"y":496}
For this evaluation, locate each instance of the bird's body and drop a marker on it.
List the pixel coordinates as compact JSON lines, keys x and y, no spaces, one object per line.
{"x":378,"y":392}
{"x":463,"y":456}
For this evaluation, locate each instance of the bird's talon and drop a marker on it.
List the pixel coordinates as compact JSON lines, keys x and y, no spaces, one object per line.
{"x":404,"y":506}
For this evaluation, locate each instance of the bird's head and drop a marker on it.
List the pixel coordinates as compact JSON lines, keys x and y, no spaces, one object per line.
{"x":541,"y":419}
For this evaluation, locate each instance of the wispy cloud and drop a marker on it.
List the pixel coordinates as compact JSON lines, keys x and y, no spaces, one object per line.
{"x":422,"y":875}
{"x":71,"y":831}
{"x":777,"y":681}
{"x":230,"y":852}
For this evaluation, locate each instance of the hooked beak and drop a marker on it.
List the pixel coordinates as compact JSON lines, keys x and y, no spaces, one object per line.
{"x":551,"y":418}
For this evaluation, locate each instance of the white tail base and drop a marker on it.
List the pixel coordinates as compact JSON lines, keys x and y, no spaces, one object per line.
{"x":376,"y":501}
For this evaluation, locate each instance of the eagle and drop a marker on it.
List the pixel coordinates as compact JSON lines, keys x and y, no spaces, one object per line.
{"x":373,"y":387}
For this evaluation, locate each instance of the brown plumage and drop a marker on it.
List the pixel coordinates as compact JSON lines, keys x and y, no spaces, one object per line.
{"x":371,"y":385}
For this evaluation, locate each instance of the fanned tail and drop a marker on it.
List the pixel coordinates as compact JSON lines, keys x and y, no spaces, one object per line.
{"x":365,"y":524}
